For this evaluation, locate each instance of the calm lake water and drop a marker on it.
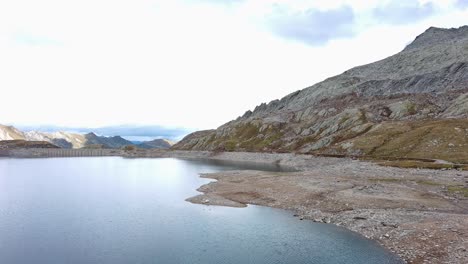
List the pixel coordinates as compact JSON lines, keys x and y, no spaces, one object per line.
{"x":115,"y":210}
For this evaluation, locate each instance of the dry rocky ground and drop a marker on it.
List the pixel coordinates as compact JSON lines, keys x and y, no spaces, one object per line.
{"x":420,"y":214}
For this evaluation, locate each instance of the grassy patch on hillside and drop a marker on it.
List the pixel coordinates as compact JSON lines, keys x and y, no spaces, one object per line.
{"x":436,"y":139}
{"x":247,"y":137}
{"x":417,"y":164}
{"x":458,"y":190}
{"x":246,"y":131}
{"x":388,"y":180}
{"x":397,"y":180}
{"x":431,"y":183}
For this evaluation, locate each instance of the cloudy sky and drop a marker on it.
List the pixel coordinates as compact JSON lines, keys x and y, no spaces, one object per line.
{"x":189,"y":63}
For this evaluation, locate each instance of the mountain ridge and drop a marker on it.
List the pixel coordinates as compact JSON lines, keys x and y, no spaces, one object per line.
{"x":73,"y":140}
{"x":426,"y":81}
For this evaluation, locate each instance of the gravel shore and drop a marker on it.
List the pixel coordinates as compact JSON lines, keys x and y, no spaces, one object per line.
{"x":417,"y":213}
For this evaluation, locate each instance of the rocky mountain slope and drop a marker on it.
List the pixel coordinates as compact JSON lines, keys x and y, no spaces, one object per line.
{"x":106,"y":142}
{"x":156,"y":144}
{"x":413,"y":104}
{"x":10,"y":133}
{"x":74,"y":140}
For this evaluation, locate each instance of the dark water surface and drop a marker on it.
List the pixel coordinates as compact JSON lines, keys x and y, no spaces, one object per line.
{"x":115,"y":210}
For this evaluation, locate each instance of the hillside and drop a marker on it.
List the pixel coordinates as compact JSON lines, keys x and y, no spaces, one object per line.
{"x":156,"y":144}
{"x":106,"y":142}
{"x":10,"y":133}
{"x":17,"y":143}
{"x":413,"y":104}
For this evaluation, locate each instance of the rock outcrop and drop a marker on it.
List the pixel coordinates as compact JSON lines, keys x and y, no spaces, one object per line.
{"x":413,"y":104}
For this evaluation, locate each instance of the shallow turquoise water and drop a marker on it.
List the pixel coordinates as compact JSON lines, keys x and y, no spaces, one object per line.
{"x":115,"y":210}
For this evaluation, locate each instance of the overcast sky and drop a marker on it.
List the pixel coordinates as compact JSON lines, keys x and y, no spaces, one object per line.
{"x":189,"y":63}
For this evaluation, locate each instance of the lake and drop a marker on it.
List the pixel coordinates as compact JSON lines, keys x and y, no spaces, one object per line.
{"x":114,"y":210}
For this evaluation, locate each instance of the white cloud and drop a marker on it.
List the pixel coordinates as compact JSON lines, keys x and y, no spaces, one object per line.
{"x":172,"y":63}
{"x":308,"y":25}
{"x":404,"y":12}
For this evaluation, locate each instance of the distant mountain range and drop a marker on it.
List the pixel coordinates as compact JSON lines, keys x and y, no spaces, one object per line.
{"x":129,"y":132}
{"x":76,"y":140}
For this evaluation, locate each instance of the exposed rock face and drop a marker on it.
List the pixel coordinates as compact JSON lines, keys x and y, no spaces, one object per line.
{"x":381,"y":104}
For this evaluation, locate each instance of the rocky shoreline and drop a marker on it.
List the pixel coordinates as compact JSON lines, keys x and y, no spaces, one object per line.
{"x":420,"y":214}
